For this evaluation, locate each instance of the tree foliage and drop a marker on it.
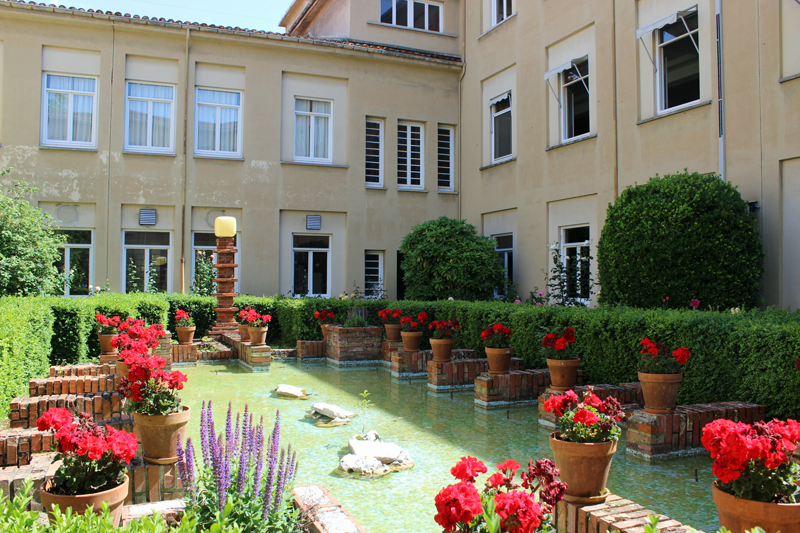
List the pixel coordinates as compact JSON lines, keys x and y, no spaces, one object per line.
{"x":29,"y":245}
{"x":446,"y":258}
{"x":682,"y":237}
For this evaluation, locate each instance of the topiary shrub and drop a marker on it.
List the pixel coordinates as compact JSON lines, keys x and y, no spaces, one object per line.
{"x":681,"y":237}
{"x":445,"y":258}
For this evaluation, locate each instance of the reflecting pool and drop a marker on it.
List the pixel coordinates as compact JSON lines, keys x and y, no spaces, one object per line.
{"x":436,"y":430}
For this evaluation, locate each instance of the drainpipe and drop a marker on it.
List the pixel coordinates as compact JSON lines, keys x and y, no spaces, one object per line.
{"x":460,"y":127}
{"x":720,"y":93}
{"x":183,"y":165}
{"x":616,"y":124}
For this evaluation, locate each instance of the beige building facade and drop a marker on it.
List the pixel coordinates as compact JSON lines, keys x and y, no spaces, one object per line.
{"x":526,"y":117}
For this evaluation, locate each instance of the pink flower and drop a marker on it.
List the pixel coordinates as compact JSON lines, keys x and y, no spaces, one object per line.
{"x":695,"y":303}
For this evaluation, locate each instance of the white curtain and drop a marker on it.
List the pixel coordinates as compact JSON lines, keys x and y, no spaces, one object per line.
{"x":57,"y":108}
{"x":218,"y":97}
{"x":82,"y":108}
{"x":141,"y":90}
{"x":302,"y":105}
{"x":321,"y":137}
{"x":228,"y":129}
{"x":162,"y":117}
{"x":322,"y":107}
{"x":301,"y":135}
{"x":137,"y":123}
{"x":206,"y":127}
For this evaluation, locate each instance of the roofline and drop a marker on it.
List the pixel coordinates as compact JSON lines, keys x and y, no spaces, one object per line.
{"x":387,"y":51}
{"x":284,"y":21}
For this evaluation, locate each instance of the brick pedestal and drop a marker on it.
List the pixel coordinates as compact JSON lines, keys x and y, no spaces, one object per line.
{"x":89,"y":369}
{"x":458,"y":374}
{"x":627,"y":394}
{"x":354,"y":346}
{"x":616,"y":514}
{"x":256,"y":358}
{"x":307,"y":350}
{"x":184,"y":353}
{"x":388,"y":349}
{"x":153,"y":483}
{"x":73,"y":385}
{"x":518,"y":387}
{"x":409,"y":365}
{"x":658,"y":437}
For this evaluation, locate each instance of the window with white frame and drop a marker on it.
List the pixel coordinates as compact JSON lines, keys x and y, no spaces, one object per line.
{"x":373,"y":169}
{"x":575,"y":100}
{"x":679,"y":62}
{"x":501,"y":128}
{"x":149,"y":118}
{"x":69,"y":111}
{"x":576,"y":254}
{"x":218,"y":123}
{"x":417,"y":14}
{"x":311,"y":273}
{"x":312,"y":130}
{"x":146,"y":261}
{"x":502,"y":10}
{"x":76,"y":262}
{"x":446,"y":158}
{"x":504,"y":248}
{"x":410,"y":155}
{"x":204,"y":244}
{"x":373,"y":274}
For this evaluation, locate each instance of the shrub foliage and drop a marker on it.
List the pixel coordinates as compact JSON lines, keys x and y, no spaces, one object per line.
{"x":683,"y":236}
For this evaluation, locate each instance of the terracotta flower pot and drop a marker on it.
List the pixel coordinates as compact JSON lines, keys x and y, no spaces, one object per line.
{"x":185,"y":334}
{"x":83,"y":503}
{"x":111,"y":359}
{"x":258,"y":336}
{"x":442,"y":349}
{"x":660,"y":392}
{"x":244,"y":333}
{"x":411,"y":340}
{"x":105,"y":344}
{"x":392,"y":332}
{"x":584,"y":466}
{"x":122,"y":368}
{"x":740,"y":515}
{"x":324,"y":328}
{"x":499,"y":360}
{"x":563,"y":373}
{"x":160,"y":433}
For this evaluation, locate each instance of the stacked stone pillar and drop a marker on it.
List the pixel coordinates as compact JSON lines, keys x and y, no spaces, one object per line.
{"x":225,"y":254}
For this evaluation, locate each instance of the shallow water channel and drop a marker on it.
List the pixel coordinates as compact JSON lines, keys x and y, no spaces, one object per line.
{"x":435,"y":429}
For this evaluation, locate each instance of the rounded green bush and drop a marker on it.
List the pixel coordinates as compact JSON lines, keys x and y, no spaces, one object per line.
{"x":682,"y":237}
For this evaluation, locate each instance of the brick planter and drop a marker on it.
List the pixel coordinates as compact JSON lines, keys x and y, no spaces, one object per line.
{"x":73,"y":385}
{"x":102,"y":406}
{"x":388,"y":349}
{"x":518,"y":387}
{"x":311,"y":350}
{"x":354,"y":346}
{"x":409,"y":365}
{"x":457,"y":374}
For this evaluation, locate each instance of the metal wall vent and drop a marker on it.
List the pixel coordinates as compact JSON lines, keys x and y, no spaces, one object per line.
{"x":313,"y":221}
{"x":147,"y":217}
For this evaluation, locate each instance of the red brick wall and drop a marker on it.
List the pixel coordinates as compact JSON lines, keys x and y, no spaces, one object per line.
{"x":73,"y":385}
{"x":102,"y":406}
{"x":616,"y":514}
{"x":354,"y":344}
{"x":89,"y":369}
{"x":310,"y":349}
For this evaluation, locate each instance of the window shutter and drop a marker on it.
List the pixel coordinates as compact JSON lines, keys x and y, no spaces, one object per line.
{"x":374,"y":146}
{"x":409,"y":155}
{"x":445,"y":158}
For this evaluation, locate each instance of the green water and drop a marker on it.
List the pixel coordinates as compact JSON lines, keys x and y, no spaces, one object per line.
{"x":436,"y":430}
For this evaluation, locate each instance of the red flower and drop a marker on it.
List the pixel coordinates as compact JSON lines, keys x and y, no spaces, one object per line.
{"x":496,"y":480}
{"x":55,"y":419}
{"x":517,"y":511}
{"x":468,"y":468}
{"x":797,"y":363}
{"x":549,"y":341}
{"x":180,"y":314}
{"x":176,"y":380}
{"x":458,"y":503}
{"x":509,"y":465}
{"x":560,"y":404}
{"x":681,"y":355}
{"x":569,"y":335}
{"x":584,"y":416}
{"x":561,"y":344}
{"x":122,"y":444}
{"x":592,"y":400}
{"x":93,"y":447}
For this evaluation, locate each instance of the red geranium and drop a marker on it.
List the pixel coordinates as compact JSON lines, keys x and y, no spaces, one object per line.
{"x":444,"y":329}
{"x":467,"y":469}
{"x":183,"y":319}
{"x":497,"y":336}
{"x":107,"y":326}
{"x":409,"y":323}
{"x":325,"y":316}
{"x":151,"y":390}
{"x":255,"y":320}
{"x":390,"y":316}
{"x":584,"y":416}
{"x":458,"y":503}
{"x":518,"y":512}
{"x":591,"y":420}
{"x":656,"y":359}
{"x":556,"y":345}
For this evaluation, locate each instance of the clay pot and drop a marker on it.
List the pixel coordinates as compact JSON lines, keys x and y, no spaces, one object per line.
{"x":740,"y":515}
{"x":442,"y":350}
{"x":244,"y":334}
{"x":160,"y":433}
{"x":660,"y":392}
{"x":584,"y":466}
{"x":411,"y":340}
{"x":83,"y":503}
{"x":185,"y":334}
{"x":392,"y":332}
{"x":324,"y":328}
{"x":499,"y":360}
{"x":258,"y":336}
{"x":111,"y":359}
{"x":122,"y":368}
{"x":105,"y":344}
{"x":563,"y":373}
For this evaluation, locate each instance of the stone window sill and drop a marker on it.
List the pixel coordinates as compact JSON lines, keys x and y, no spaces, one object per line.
{"x":675,"y":112}
{"x":571,"y":141}
{"x":487,"y":167}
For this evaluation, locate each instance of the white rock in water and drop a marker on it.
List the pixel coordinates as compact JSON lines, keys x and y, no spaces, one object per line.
{"x":331,"y":411}
{"x":290,"y":391}
{"x":384,"y":452}
{"x":355,"y":464}
{"x":372,"y":435}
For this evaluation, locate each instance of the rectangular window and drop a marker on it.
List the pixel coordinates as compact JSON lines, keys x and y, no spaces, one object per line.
{"x":311,"y":265}
{"x":69,"y":117}
{"x":446,"y":157}
{"x":502,"y":10}
{"x":410,"y":155}
{"x":312,"y":130}
{"x":373,"y":167}
{"x":76,"y":262}
{"x":218,"y":123}
{"x":205,"y":243}
{"x":575,"y":253}
{"x":501,"y":129}
{"x":373,"y":274}
{"x":575,"y":100}
{"x":149,"y":120}
{"x":418,"y":14}
{"x":679,"y":62}
{"x":505,"y":251}
{"x":146,"y":259}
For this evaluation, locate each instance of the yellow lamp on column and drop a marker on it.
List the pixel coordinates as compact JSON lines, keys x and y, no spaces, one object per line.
{"x":225,"y":227}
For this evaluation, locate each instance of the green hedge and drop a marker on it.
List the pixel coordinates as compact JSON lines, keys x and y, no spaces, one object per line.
{"x":26,"y":328}
{"x":200,"y":307}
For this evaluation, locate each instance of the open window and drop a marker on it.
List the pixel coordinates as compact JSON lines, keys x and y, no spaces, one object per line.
{"x":311,"y":272}
{"x":576,"y":256}
{"x":501,"y":10}
{"x":502,"y":142}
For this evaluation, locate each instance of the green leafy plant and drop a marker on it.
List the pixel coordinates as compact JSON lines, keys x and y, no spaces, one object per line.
{"x":687,"y":236}
{"x":447,"y":258}
{"x":357,"y":318}
{"x":204,"y":275}
{"x":29,"y":245}
{"x":364,"y":405}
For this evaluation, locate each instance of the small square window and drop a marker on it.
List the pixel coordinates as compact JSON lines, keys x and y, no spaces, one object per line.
{"x":69,"y":111}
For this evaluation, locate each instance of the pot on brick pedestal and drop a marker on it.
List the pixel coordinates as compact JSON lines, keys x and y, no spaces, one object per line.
{"x":160,"y":433}
{"x":411,"y":340}
{"x":584,"y":467}
{"x":739,"y":515}
{"x":392,"y":332}
{"x":442,"y":350}
{"x":244,"y":334}
{"x":185,"y":334}
{"x":83,"y":503}
{"x":258,"y":336}
{"x":660,"y":392}
{"x":499,"y":360}
{"x":105,"y":345}
{"x":563,"y":373}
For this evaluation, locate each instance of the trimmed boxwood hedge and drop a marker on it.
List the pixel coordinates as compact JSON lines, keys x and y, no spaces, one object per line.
{"x":26,"y":327}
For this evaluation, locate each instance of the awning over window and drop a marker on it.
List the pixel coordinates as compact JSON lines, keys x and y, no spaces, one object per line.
{"x":559,"y":69}
{"x":496,"y":100}
{"x":666,"y":21}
